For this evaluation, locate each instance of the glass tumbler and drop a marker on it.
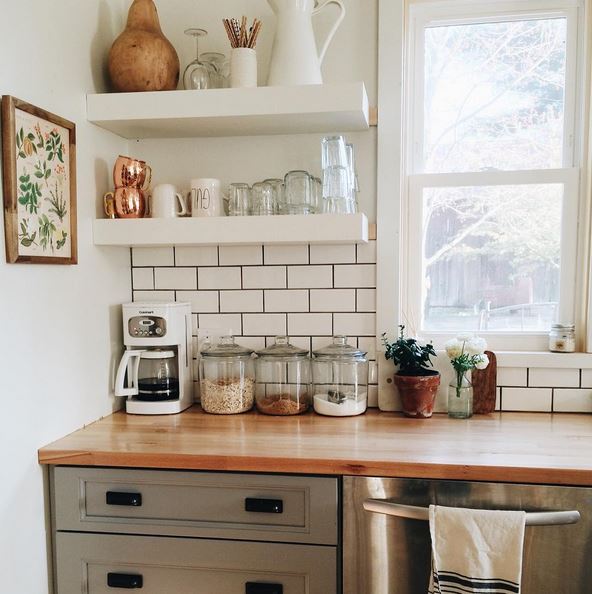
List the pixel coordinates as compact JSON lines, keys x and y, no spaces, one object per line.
{"x":337,"y":193}
{"x":277,"y":186}
{"x":299,"y":193}
{"x":239,"y":200}
{"x":333,"y":152}
{"x":283,"y":379}
{"x":263,"y":199}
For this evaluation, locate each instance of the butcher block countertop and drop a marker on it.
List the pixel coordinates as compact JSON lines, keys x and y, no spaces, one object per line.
{"x":509,"y":447}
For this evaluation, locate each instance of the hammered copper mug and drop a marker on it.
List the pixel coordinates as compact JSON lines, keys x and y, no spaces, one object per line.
{"x":131,"y":173}
{"x":126,"y":203}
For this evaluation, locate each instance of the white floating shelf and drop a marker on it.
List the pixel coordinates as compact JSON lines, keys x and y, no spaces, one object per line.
{"x":282,"y":229}
{"x":232,"y":112}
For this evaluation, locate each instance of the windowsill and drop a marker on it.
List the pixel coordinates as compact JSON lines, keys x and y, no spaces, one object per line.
{"x":543,"y":359}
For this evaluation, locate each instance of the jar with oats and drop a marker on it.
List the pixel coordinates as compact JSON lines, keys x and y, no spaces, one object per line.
{"x":283,"y":379}
{"x":227,"y":378}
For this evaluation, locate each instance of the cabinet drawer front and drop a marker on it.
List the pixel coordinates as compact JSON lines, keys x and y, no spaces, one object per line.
{"x":203,"y":504}
{"x":151,"y":565}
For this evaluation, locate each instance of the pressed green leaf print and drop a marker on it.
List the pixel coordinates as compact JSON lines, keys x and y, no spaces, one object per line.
{"x":61,"y":242}
{"x":58,"y":204}
{"x":54,"y":147}
{"x":46,"y":230}
{"x":29,"y":193}
{"x":26,"y":239}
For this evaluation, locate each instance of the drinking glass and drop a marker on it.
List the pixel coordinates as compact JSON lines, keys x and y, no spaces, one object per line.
{"x":218,"y":63}
{"x":333,"y":152}
{"x":239,"y":201}
{"x":198,"y":74}
{"x":277,"y":186}
{"x":298,"y":188}
{"x":317,"y":195}
{"x":263,"y":200}
{"x":337,"y":194}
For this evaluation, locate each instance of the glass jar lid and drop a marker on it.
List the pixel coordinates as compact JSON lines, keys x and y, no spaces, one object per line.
{"x":158,"y":354}
{"x":226,"y":347}
{"x":569,"y":327}
{"x":283,"y":348}
{"x":340,"y":349}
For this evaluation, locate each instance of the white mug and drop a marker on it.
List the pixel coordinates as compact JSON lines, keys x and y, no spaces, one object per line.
{"x":206,"y":198}
{"x":164,"y":202}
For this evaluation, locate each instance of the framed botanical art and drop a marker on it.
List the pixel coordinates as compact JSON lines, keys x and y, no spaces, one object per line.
{"x":39,"y":183}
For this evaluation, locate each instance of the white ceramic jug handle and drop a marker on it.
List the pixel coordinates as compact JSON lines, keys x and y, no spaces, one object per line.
{"x":183,"y":210}
{"x":132,"y":377}
{"x":335,"y":26}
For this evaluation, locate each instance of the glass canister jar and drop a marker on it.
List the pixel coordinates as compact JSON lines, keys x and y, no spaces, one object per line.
{"x":283,"y":379}
{"x":562,"y":338}
{"x":227,"y":378}
{"x":340,"y":378}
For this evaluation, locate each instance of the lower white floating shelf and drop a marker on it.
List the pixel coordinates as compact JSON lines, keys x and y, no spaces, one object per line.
{"x":282,"y":229}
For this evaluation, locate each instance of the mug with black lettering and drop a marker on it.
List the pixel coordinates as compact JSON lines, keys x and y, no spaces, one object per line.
{"x":206,"y":198}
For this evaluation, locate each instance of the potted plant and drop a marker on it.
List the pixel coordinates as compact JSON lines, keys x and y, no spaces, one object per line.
{"x":417,"y":384}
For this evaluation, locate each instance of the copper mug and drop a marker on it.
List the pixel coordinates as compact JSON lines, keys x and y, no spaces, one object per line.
{"x":126,"y":203}
{"x":131,"y":173}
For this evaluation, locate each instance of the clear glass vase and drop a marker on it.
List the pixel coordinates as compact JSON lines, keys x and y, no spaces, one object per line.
{"x":460,"y":397}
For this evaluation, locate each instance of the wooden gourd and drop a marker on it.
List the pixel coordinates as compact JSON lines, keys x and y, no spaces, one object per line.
{"x":142,"y":58}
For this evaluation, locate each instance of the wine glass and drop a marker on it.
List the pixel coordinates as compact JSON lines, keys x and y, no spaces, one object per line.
{"x":197,"y":75}
{"x":219,"y":65}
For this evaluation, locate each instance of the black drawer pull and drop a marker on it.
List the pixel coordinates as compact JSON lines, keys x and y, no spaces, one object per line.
{"x":264,"y":506}
{"x":260,"y":588}
{"x":119,"y":498}
{"x":124,"y":580}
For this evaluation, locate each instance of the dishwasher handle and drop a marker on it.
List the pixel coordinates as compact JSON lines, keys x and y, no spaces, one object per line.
{"x":412,"y":512}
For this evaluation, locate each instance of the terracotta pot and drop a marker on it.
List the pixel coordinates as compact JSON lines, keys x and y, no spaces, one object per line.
{"x":142,"y":58}
{"x":418,"y":394}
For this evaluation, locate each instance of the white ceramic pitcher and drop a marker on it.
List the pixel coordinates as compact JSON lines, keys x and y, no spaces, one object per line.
{"x":294,"y":57}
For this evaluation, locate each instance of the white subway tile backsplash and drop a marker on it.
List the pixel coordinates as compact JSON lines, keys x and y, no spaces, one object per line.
{"x":373,"y":396}
{"x":355,"y":324}
{"x":143,"y":278}
{"x":252,"y":342}
{"x":318,"y":342}
{"x":366,"y":252}
{"x":154,"y":296}
{"x":267,"y":324}
{"x":333,"y":254}
{"x":285,"y":254}
{"x":572,"y":400}
{"x":302,"y":342}
{"x":332,"y":300}
{"x":175,"y":278}
{"x":287,"y":301}
{"x":223,"y":322}
{"x":196,"y":256}
{"x":586,"y":378}
{"x":512,"y":376}
{"x":498,"y":399}
{"x":161,"y":256}
{"x":201,"y":301}
{"x":366,"y":300}
{"x":310,"y":277}
{"x":372,"y":372}
{"x":219,"y":278}
{"x":527,"y":399}
{"x":264,"y":277}
{"x":241,"y":301}
{"x":240,"y":255}
{"x":368,"y":344}
{"x":548,"y":378}
{"x":355,"y":275}
{"x":309,"y":324}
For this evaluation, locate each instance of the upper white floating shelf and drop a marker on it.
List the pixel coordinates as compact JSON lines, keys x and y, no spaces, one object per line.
{"x":232,"y":112}
{"x":282,"y":229}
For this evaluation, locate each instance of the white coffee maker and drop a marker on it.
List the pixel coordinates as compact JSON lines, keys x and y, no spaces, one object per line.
{"x":156,"y":370}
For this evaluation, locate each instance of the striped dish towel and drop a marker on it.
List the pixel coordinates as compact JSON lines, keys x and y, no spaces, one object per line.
{"x":476,"y":550}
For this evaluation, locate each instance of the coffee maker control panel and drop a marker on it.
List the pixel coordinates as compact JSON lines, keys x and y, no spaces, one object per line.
{"x":147,"y":327}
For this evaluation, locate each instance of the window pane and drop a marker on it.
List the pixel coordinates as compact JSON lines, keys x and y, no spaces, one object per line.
{"x":491,"y":257}
{"x":494,"y":96}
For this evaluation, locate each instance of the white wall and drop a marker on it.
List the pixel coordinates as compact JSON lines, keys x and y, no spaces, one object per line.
{"x":60,"y":324}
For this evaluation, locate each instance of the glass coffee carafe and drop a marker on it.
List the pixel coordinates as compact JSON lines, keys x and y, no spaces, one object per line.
{"x":158,"y":375}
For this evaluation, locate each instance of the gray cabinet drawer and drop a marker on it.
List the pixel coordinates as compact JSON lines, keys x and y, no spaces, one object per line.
{"x":200,"y":504}
{"x":190,"y":566}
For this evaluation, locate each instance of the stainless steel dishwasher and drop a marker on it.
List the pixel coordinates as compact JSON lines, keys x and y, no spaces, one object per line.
{"x":387,"y":546}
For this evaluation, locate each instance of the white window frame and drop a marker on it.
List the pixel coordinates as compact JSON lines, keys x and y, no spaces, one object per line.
{"x":450,"y":12}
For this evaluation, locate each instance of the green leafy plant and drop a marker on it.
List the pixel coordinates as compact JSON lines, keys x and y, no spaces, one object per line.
{"x":409,"y":355}
{"x":30,"y":193}
{"x":27,"y":239}
{"x":25,"y":144}
{"x":61,"y":242}
{"x":57,"y":202}
{"x":46,"y":230}
{"x":42,"y":171}
{"x":54,"y":146}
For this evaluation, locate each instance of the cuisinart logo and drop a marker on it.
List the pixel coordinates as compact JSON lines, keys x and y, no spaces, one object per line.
{"x":146,"y":312}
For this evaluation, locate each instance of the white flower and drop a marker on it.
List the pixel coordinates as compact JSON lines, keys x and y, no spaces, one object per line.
{"x":482,"y":362}
{"x":476,"y":346}
{"x":453,"y":348}
{"x":464,"y":337}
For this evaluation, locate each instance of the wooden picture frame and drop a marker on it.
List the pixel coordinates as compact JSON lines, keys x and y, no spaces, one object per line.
{"x":39,"y":183}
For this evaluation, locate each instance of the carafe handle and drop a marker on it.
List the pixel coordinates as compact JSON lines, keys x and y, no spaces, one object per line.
{"x":131,"y":366}
{"x":335,"y":26}
{"x":181,"y":201}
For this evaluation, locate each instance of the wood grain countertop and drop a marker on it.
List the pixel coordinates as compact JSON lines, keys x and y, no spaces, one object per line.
{"x":511,"y":447}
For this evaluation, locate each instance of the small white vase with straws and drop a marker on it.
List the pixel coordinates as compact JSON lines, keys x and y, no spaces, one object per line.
{"x":243,"y":58}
